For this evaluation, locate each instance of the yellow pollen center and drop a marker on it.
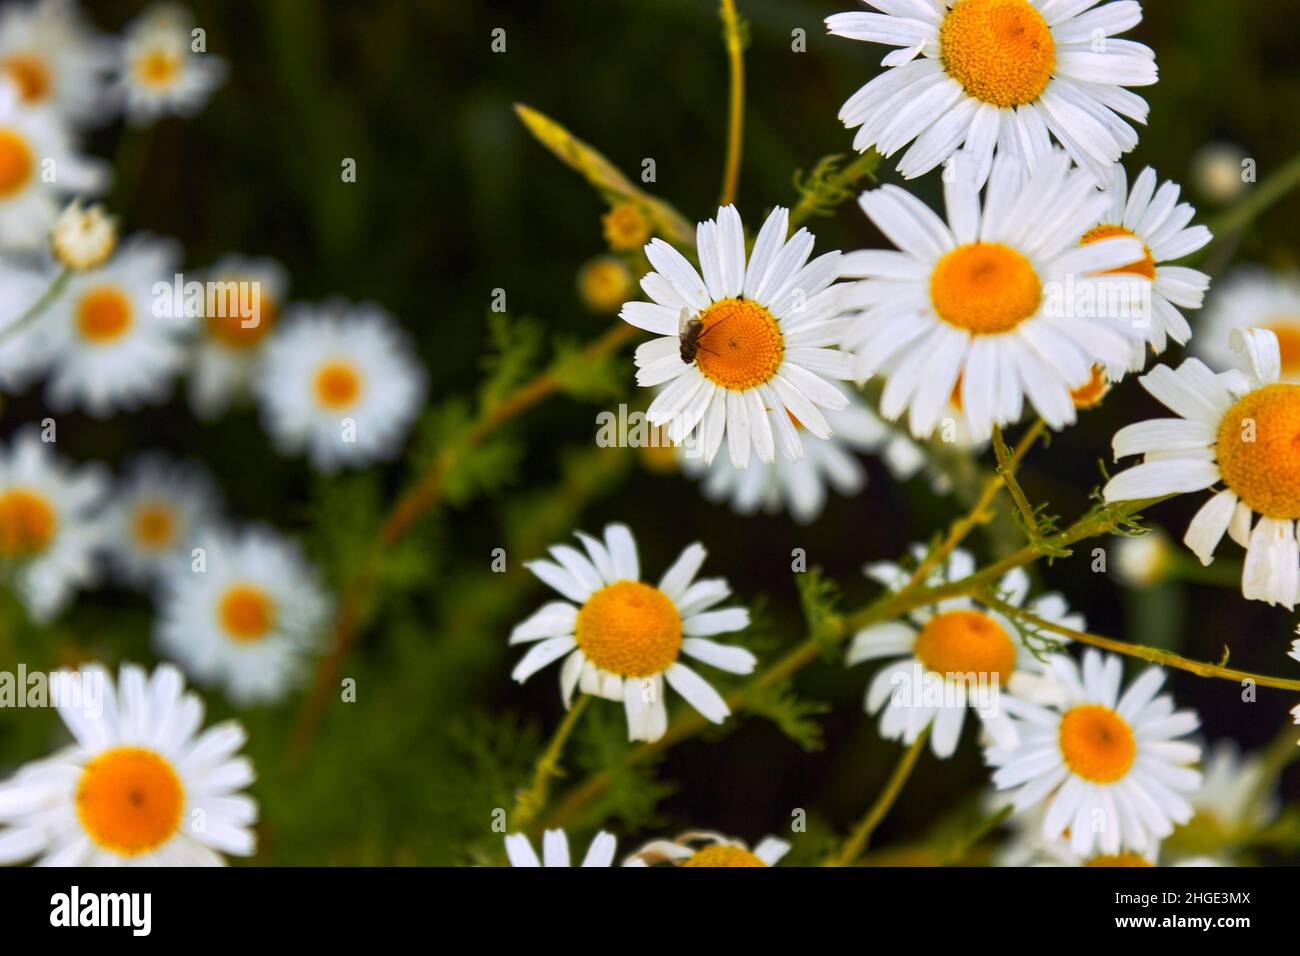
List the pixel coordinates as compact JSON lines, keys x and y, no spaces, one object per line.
{"x":130,"y":800}
{"x":740,"y":344}
{"x":1119,"y":859}
{"x":965,"y":642}
{"x":626,"y":227}
{"x":1000,"y":51}
{"x":103,"y":314}
{"x":985,"y":287}
{"x":247,"y":613}
{"x":154,"y":527}
{"x":1097,"y":744}
{"x":1259,"y":450}
{"x":1146,"y":266}
{"x":1287,"y":330}
{"x":27,"y":523}
{"x":227,"y":325}
{"x":630,"y":629}
{"x":29,"y":74}
{"x":338,"y":385}
{"x":1091,"y":394}
{"x":16,"y":162}
{"x":158,"y":67}
{"x":722,"y":855}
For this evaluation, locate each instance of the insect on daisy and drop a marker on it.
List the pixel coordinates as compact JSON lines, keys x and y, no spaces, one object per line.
{"x":1109,"y":766}
{"x":746,"y":350}
{"x":1254,"y":298}
{"x":244,"y":615}
{"x":339,"y":382}
{"x":55,"y":59}
{"x":161,"y":71}
{"x":1008,"y":75}
{"x":709,"y":849}
{"x":139,"y":785}
{"x":1001,"y":301}
{"x":1238,"y":430}
{"x":555,"y":850}
{"x":950,"y":657}
{"x":622,"y":638}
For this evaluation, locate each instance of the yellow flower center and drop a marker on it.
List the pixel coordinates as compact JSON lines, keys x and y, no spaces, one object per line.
{"x":985,"y":287}
{"x":630,"y":629}
{"x":964,"y":642}
{"x":1000,"y":51}
{"x":740,"y":344}
{"x":1287,"y":330}
{"x":1259,"y":450}
{"x":1091,"y":394}
{"x":1119,"y":859}
{"x":158,"y":67}
{"x":626,"y":227}
{"x":130,"y":800}
{"x":154,"y":527}
{"x":103,"y":314}
{"x":1097,"y":744}
{"x":16,"y":162}
{"x":337,"y":384}
{"x":29,"y":74}
{"x":227,"y":324}
{"x":247,"y":612}
{"x":27,"y":523}
{"x":723,"y":855}
{"x":1146,"y":266}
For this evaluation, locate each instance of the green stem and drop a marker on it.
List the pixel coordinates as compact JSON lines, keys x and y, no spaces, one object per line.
{"x":857,"y":843}
{"x":36,"y":308}
{"x":530,"y":802}
{"x":736,"y":103}
{"x":1264,"y":195}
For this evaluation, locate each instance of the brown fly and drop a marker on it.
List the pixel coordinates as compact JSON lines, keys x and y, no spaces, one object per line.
{"x":691,"y":332}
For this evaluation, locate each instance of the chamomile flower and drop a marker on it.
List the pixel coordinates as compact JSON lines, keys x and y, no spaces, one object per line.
{"x":1004,"y":74}
{"x":1109,"y":767}
{"x":83,"y":238}
{"x":1144,"y":560}
{"x":32,"y":140}
{"x":116,"y":344}
{"x":24,"y":350}
{"x":1001,"y":299}
{"x":161,"y":71}
{"x":55,"y":59}
{"x":555,"y":850}
{"x":339,"y":382}
{"x":231,"y":342}
{"x":139,"y":786}
{"x":1027,"y":845}
{"x":767,"y":337}
{"x":1236,"y":430}
{"x":1254,"y":298}
{"x":709,"y":849}
{"x":155,"y":516}
{"x":622,"y":638}
{"x":245,"y":615}
{"x":1233,"y":803}
{"x":950,"y":656}
{"x":49,"y":529}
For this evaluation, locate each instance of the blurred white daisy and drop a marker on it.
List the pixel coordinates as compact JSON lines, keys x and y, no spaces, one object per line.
{"x":24,"y":350}
{"x":1233,"y":803}
{"x":1109,"y":766}
{"x":33,"y":143}
{"x":621,"y":638}
{"x":341,"y":383}
{"x":49,"y":529}
{"x":950,"y":657}
{"x":139,"y":785}
{"x":230,"y":342}
{"x":766,"y":336}
{"x":245,"y":616}
{"x":1253,"y":298}
{"x":160,"y":71}
{"x":55,"y":59}
{"x":1143,"y":560}
{"x":83,"y":238}
{"x":555,"y":850}
{"x":155,"y":515}
{"x":116,"y":344}
{"x":1238,"y":430}
{"x":1010,"y":74}
{"x":705,"y":848}
{"x":1001,"y":299}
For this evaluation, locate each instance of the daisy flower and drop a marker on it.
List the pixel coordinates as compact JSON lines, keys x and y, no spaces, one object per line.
{"x":1143,"y":561}
{"x":1028,"y":846}
{"x":245,"y":615}
{"x":765,"y":335}
{"x":339,"y":382}
{"x":705,"y":848}
{"x":154,"y":517}
{"x":949,"y":657}
{"x":32,"y":140}
{"x":1233,"y":803}
{"x":116,"y":343}
{"x":1109,"y":766}
{"x":1002,"y":299}
{"x":1234,"y":429}
{"x":83,"y":238}
{"x":1004,"y":74}
{"x":621,"y":638}
{"x":555,"y":850}
{"x":1156,"y":218}
{"x":1254,"y":298}
{"x":159,"y":71}
{"x":139,"y":785}
{"x":55,"y":59}
{"x":24,"y":351}
{"x":48,"y":525}
{"x":230,"y":343}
